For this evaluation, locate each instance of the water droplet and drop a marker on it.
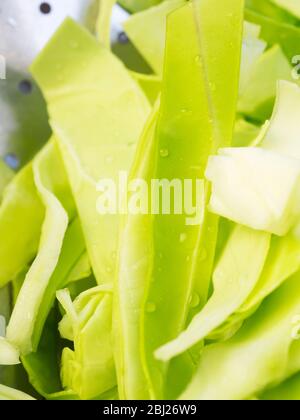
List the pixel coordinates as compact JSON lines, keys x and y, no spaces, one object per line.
{"x":198,"y":59}
{"x":203,"y":255}
{"x":150,"y":307}
{"x":113,"y":255}
{"x":188,"y":258}
{"x":109,"y":159}
{"x":164,"y":153}
{"x":212,"y":86}
{"x":182,"y":237}
{"x":194,"y":300}
{"x":109,"y":269}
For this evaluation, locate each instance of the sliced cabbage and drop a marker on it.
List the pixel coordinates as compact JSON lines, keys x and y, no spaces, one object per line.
{"x":9,"y":354}
{"x":100,"y":143}
{"x":89,"y":369}
{"x":7,"y":393}
{"x":259,"y":187}
{"x":258,"y":96}
{"x":21,"y":216}
{"x":291,"y":6}
{"x":256,"y":188}
{"x":151,"y":44}
{"x":264,"y":352}
{"x":234,"y":278}
{"x":48,"y":177}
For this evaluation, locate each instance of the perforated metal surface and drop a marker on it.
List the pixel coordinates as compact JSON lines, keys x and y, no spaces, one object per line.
{"x":25,"y":27}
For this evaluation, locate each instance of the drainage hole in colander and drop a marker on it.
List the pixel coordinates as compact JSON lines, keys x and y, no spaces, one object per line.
{"x":123,"y":38}
{"x":45,"y":8}
{"x":25,"y":87}
{"x":12,"y":161}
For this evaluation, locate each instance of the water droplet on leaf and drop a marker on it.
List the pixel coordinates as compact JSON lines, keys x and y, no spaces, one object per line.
{"x":164,"y":153}
{"x":194,"y":300}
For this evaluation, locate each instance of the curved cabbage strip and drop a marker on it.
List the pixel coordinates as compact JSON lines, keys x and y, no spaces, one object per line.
{"x":282,"y":262}
{"x":133,"y":267}
{"x":9,"y":354}
{"x":234,"y":277}
{"x":73,"y":249}
{"x":204,"y":121}
{"x":104,"y":21}
{"x":98,"y":114}
{"x":291,"y":6}
{"x":255,"y":187}
{"x":149,"y":42}
{"x":134,"y":6}
{"x":7,"y":393}
{"x":282,"y":135}
{"x":244,"y":133}
{"x":258,"y":96}
{"x":268,"y":8}
{"x":48,"y":178}
{"x":264,"y":352}
{"x":262,"y":183}
{"x":88,"y":370}
{"x":277,"y":29}
{"x":288,"y":390}
{"x":150,"y":84}
{"x":81,"y":270}
{"x":21,"y":217}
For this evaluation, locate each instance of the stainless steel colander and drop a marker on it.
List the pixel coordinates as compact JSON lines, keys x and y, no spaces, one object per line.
{"x":25,"y":27}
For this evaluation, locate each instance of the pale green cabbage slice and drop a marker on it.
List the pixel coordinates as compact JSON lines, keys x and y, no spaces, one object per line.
{"x":263,"y":353}
{"x":234,"y":278}
{"x":88,"y":370}
{"x":9,"y":354}
{"x":7,"y":393}
{"x":259,"y":187}
{"x":282,"y":135}
{"x":204,"y":121}
{"x":255,"y":187}
{"x":48,"y":178}
{"x":292,"y":6}
{"x":21,"y":216}
{"x":151,"y":43}
{"x":151,"y":85}
{"x":103,"y":28}
{"x":190,"y":94}
{"x":258,"y":96}
{"x":244,"y":133}
{"x":100,"y":143}
{"x":133,"y":268}
{"x":282,"y":262}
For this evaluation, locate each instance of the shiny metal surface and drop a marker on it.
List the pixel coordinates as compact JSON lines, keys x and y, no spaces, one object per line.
{"x":25,"y":27}
{"x":24,"y":30}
